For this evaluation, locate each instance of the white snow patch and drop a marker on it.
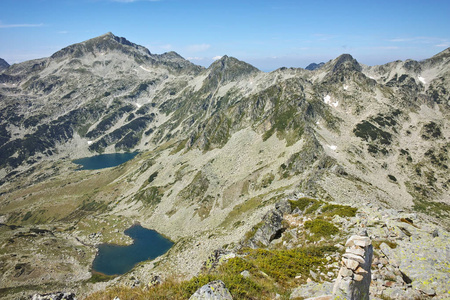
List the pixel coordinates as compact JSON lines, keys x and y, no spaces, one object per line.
{"x":138,"y":105}
{"x":421,"y":79}
{"x":317,"y":123}
{"x":145,"y":69}
{"x":89,"y":142}
{"x":332,"y":147}
{"x":345,"y":87}
{"x":371,"y":77}
{"x":327,"y":100}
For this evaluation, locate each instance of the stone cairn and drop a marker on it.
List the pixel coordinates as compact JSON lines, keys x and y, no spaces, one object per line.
{"x":353,"y":280}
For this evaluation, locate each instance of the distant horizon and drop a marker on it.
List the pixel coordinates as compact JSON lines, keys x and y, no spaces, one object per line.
{"x":219,"y":57}
{"x":269,"y":35}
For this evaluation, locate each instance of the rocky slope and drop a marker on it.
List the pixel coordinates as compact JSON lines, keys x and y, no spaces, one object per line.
{"x":218,"y":146}
{"x":3,"y":64}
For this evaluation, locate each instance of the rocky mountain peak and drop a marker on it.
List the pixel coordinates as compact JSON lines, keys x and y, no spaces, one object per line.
{"x":345,"y":62}
{"x":101,"y":44}
{"x":228,"y":69}
{"x":3,"y":64}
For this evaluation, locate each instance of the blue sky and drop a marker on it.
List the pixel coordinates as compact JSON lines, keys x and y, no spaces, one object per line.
{"x":267,"y":34}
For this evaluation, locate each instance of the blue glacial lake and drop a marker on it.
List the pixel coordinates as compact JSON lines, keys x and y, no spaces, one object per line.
{"x":117,"y":260}
{"x":104,"y":160}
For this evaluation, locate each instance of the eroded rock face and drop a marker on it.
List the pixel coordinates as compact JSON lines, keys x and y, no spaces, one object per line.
{"x":215,"y":290}
{"x":353,"y":281}
{"x":271,"y":227}
{"x":55,"y":296}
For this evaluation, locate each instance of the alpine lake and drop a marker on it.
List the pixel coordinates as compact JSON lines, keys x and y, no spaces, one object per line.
{"x":117,"y":260}
{"x":147,"y":244}
{"x":104,"y":160}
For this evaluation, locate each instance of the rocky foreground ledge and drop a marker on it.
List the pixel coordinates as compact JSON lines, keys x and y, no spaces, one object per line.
{"x":388,"y":254}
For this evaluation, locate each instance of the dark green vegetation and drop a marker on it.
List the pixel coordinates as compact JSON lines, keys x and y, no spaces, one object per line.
{"x":321,"y":228}
{"x":378,"y":131}
{"x":309,"y":205}
{"x":270,"y":272}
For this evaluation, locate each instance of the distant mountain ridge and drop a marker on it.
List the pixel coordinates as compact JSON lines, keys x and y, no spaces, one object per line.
{"x":314,"y":66}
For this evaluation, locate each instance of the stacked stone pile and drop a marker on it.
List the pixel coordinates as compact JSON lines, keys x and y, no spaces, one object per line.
{"x":353,"y":281}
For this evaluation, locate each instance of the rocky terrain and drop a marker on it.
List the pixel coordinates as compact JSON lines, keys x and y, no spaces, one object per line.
{"x":219,"y":146}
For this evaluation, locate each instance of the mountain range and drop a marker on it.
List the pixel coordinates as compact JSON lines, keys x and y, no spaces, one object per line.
{"x":217,"y":146}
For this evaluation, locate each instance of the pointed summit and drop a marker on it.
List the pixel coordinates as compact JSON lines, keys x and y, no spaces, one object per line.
{"x":345,"y":62}
{"x":101,"y":44}
{"x":230,"y":69}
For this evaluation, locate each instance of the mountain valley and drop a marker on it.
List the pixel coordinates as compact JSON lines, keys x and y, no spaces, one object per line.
{"x":218,"y":147}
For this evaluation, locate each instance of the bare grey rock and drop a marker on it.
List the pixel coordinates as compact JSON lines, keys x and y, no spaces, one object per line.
{"x":312,"y":289}
{"x":271,"y":227}
{"x":215,"y":290}
{"x":54,"y":296}
{"x":3,"y":64}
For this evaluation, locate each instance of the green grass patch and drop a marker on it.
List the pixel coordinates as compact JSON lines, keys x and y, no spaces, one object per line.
{"x":302,"y":203}
{"x":376,"y":244}
{"x":321,"y":228}
{"x":340,"y":210}
{"x":100,"y":277}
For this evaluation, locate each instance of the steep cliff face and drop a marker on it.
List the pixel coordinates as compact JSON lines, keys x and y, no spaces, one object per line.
{"x":218,"y":145}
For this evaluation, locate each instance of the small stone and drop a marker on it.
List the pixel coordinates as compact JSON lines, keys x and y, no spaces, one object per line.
{"x":354,"y":257}
{"x":358,"y":277}
{"x":350,"y":263}
{"x":428,"y":291}
{"x":245,"y":274}
{"x":360,"y":270}
{"x":344,"y":272}
{"x":435,"y":233}
{"x":357,"y":240}
{"x":355,"y":250}
{"x":389,"y":283}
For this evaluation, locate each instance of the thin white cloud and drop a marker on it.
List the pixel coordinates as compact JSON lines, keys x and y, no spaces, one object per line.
{"x":217,"y":57}
{"x":198,"y":47}
{"x":196,"y":58}
{"x":20,"y":25}
{"x":419,"y":40}
{"x":443,"y":45}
